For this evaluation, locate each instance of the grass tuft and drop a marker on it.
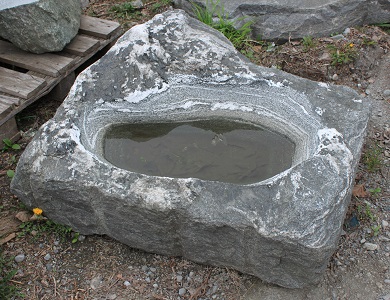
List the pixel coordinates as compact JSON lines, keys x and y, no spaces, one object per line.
{"x":237,"y":35}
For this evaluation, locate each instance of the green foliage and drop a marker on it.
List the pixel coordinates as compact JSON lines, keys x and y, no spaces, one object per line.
{"x":40,"y":226}
{"x":123,"y":10}
{"x":365,"y":213}
{"x":342,"y":54}
{"x":12,"y":160}
{"x":308,"y":42}
{"x":375,"y":191}
{"x":384,"y":26}
{"x":238,"y":36}
{"x":9,"y":145}
{"x":7,"y":290}
{"x":75,"y":237}
{"x":368,"y":42}
{"x":376,"y":229}
{"x":160,"y":4}
{"x":205,"y":15}
{"x":371,"y":158}
{"x":11,"y":173}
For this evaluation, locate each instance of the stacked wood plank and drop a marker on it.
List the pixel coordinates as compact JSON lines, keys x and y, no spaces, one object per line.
{"x":25,"y":77}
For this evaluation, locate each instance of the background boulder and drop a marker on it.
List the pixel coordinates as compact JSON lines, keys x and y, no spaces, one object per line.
{"x":286,"y":19}
{"x":40,"y":26}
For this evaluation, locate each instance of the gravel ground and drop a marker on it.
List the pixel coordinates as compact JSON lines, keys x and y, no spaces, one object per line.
{"x":49,"y":265}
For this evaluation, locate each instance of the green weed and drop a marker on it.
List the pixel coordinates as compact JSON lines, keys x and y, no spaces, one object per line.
{"x":371,"y":158}
{"x":41,"y":226}
{"x":384,"y":26}
{"x":156,"y":7}
{"x":238,"y":36}
{"x":205,"y":15}
{"x":343,"y":54}
{"x":7,"y":290}
{"x":308,"y":42}
{"x":365,"y":213}
{"x":123,"y":10}
{"x":368,"y":42}
{"x":9,"y":145}
{"x":375,"y":192}
{"x":376,"y":229}
{"x":11,"y":173}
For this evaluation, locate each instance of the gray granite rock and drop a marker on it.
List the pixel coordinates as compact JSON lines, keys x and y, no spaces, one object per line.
{"x":40,"y":26}
{"x":285,"y":19}
{"x":171,"y":69}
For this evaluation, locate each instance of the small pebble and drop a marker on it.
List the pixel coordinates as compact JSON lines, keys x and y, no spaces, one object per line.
{"x":385,"y":223}
{"x":347,"y":31}
{"x":155,"y":285}
{"x":81,"y":238}
{"x":338,"y":37}
{"x":182,"y":291}
{"x":47,"y":257}
{"x":19,"y":258}
{"x":137,"y":4}
{"x":386,"y":93}
{"x":362,"y":241}
{"x":385,"y":297}
{"x":214,"y":289}
{"x":335,"y":77}
{"x":147,"y":279}
{"x":370,"y":246}
{"x":49,"y":267}
{"x":152,"y":269}
{"x":379,"y":114}
{"x":387,"y":281}
{"x":126,"y":283}
{"x":96,"y":282}
{"x":111,"y":296}
{"x":56,"y":243}
{"x":179,"y":278}
{"x":145,"y":268}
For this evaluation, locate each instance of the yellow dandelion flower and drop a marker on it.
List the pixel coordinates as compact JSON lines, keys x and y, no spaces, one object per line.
{"x":351,"y":45}
{"x":37,"y":211}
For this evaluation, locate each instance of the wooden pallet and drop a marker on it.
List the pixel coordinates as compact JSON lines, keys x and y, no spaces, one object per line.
{"x":26,"y":77}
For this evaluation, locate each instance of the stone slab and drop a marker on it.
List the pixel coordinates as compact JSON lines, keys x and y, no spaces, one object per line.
{"x":285,"y":19}
{"x":173,"y":69}
{"x":40,"y":26}
{"x":5,"y":4}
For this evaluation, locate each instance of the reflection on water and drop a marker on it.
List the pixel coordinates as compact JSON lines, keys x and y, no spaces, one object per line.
{"x":217,"y":150}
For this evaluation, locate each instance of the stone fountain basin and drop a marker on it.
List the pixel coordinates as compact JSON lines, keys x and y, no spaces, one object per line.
{"x":283,"y":229}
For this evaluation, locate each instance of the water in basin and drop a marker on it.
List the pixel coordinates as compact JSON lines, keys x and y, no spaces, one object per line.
{"x":219,"y":150}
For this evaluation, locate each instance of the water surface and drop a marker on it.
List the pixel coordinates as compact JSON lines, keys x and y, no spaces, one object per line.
{"x":216,"y":150}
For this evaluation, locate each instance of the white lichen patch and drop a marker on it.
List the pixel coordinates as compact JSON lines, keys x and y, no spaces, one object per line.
{"x":324,"y":85}
{"x":332,"y":146}
{"x":319,"y":111}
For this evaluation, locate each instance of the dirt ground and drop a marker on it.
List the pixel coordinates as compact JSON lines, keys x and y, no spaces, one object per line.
{"x":51,"y":262}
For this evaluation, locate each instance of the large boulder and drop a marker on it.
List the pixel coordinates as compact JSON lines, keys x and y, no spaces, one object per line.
{"x":40,"y":26}
{"x":286,"y":19}
{"x":172,"y":69}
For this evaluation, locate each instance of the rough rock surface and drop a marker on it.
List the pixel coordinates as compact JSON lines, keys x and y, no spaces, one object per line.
{"x":40,"y":26}
{"x":286,"y":19}
{"x":172,"y":69}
